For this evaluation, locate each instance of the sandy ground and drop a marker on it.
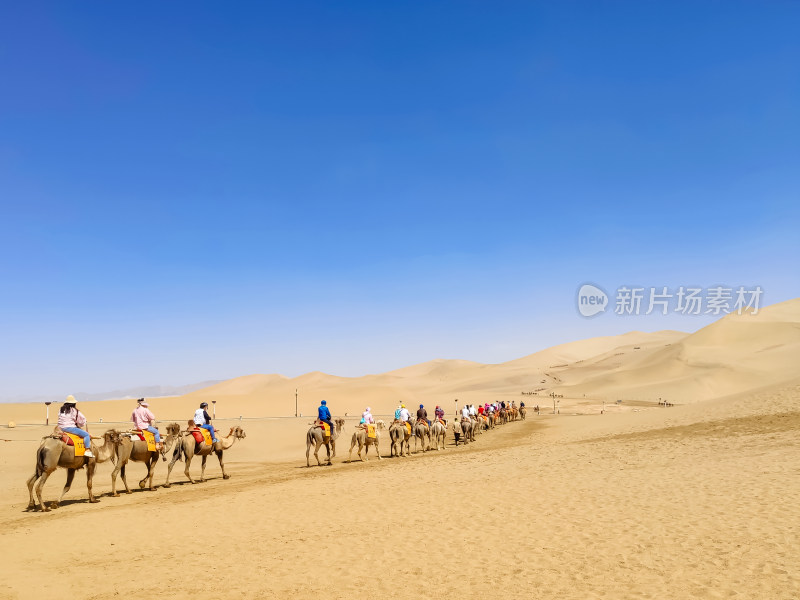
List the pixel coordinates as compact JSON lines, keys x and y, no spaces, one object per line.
{"x":699,"y":501}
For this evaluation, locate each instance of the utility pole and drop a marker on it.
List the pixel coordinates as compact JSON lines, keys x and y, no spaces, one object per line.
{"x":214,"y":408}
{"x":47,"y":413}
{"x":295,"y":402}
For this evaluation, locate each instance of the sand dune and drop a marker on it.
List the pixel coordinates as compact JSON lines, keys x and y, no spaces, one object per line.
{"x":695,"y":501}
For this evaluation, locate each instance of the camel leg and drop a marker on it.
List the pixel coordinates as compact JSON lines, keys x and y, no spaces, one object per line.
{"x":67,"y":485}
{"x":222,"y":465}
{"x":203,"y":468}
{"x":308,"y":453}
{"x":123,"y":472}
{"x":316,"y":453}
{"x":377,"y":451}
{"x":333,"y":448}
{"x":40,"y":481}
{"x":328,"y":448}
{"x":186,"y":470}
{"x":31,"y":481}
{"x":90,"y":467}
{"x":169,"y":467}
{"x":118,"y":469}
{"x":151,"y":472}
{"x":350,"y":456}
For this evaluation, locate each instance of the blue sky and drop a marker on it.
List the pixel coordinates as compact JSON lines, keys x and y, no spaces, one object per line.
{"x":196,"y":191}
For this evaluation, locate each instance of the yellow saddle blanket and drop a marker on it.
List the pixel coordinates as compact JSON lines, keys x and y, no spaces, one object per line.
{"x":150,"y":440}
{"x":326,"y":430}
{"x":408,"y":427}
{"x":371,"y":431}
{"x":207,"y":439}
{"x":77,"y":441}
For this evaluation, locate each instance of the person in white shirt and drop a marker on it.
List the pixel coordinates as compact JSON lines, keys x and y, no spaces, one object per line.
{"x":465,"y":413}
{"x":203,"y":419}
{"x":404,"y":414}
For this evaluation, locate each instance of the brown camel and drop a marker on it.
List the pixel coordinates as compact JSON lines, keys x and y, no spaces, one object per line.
{"x":187,"y":447}
{"x":53,"y":453}
{"x":360,"y":438}
{"x":422,"y":431}
{"x":400,"y":435}
{"x":137,"y":451}
{"x":476,"y":424}
{"x":438,"y":432}
{"x":522,"y":412}
{"x":314,"y":437}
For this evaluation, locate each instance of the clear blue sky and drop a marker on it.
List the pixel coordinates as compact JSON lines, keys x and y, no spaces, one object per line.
{"x":196,"y":190}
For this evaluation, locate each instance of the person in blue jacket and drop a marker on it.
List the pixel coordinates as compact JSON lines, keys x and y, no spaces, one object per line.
{"x":324,"y":414}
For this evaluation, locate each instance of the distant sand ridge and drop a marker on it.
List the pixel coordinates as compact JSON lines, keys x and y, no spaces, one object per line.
{"x":732,"y":355}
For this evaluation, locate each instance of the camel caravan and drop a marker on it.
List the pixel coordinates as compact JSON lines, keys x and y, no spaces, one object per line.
{"x":71,"y":447}
{"x":427,"y":434}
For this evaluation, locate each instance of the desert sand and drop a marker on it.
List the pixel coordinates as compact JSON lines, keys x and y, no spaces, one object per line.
{"x":697,"y":500}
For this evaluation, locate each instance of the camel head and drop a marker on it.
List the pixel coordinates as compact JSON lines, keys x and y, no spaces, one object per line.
{"x":380,"y":424}
{"x":339,"y":422}
{"x":238,"y":433}
{"x":173,"y":429}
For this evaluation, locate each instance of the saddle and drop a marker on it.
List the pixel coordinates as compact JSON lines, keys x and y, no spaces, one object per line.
{"x":408,"y":427}
{"x":371,"y":431}
{"x":326,"y":429}
{"x":145,"y":436}
{"x":73,"y":440}
{"x":202,"y":436}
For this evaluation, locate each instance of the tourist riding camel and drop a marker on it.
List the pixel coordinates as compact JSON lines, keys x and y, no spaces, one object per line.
{"x":405,"y":416}
{"x":71,"y":420}
{"x":202,"y":419}
{"x":145,"y":420}
{"x":324,"y":415}
{"x":439,"y":413}
{"x":366,"y":418}
{"x":422,"y":415}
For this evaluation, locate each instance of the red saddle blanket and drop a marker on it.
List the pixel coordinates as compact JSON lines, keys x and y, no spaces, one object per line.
{"x":66,"y":439}
{"x":198,"y":434}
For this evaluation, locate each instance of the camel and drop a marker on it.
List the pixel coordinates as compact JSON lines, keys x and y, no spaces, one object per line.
{"x":522,"y":412}
{"x":185,"y":449}
{"x":438,"y":432}
{"x":314,"y":436}
{"x":137,"y":451}
{"x":421,"y":431}
{"x":53,"y":453}
{"x":399,"y":434}
{"x":477,"y":421}
{"x":360,"y":438}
